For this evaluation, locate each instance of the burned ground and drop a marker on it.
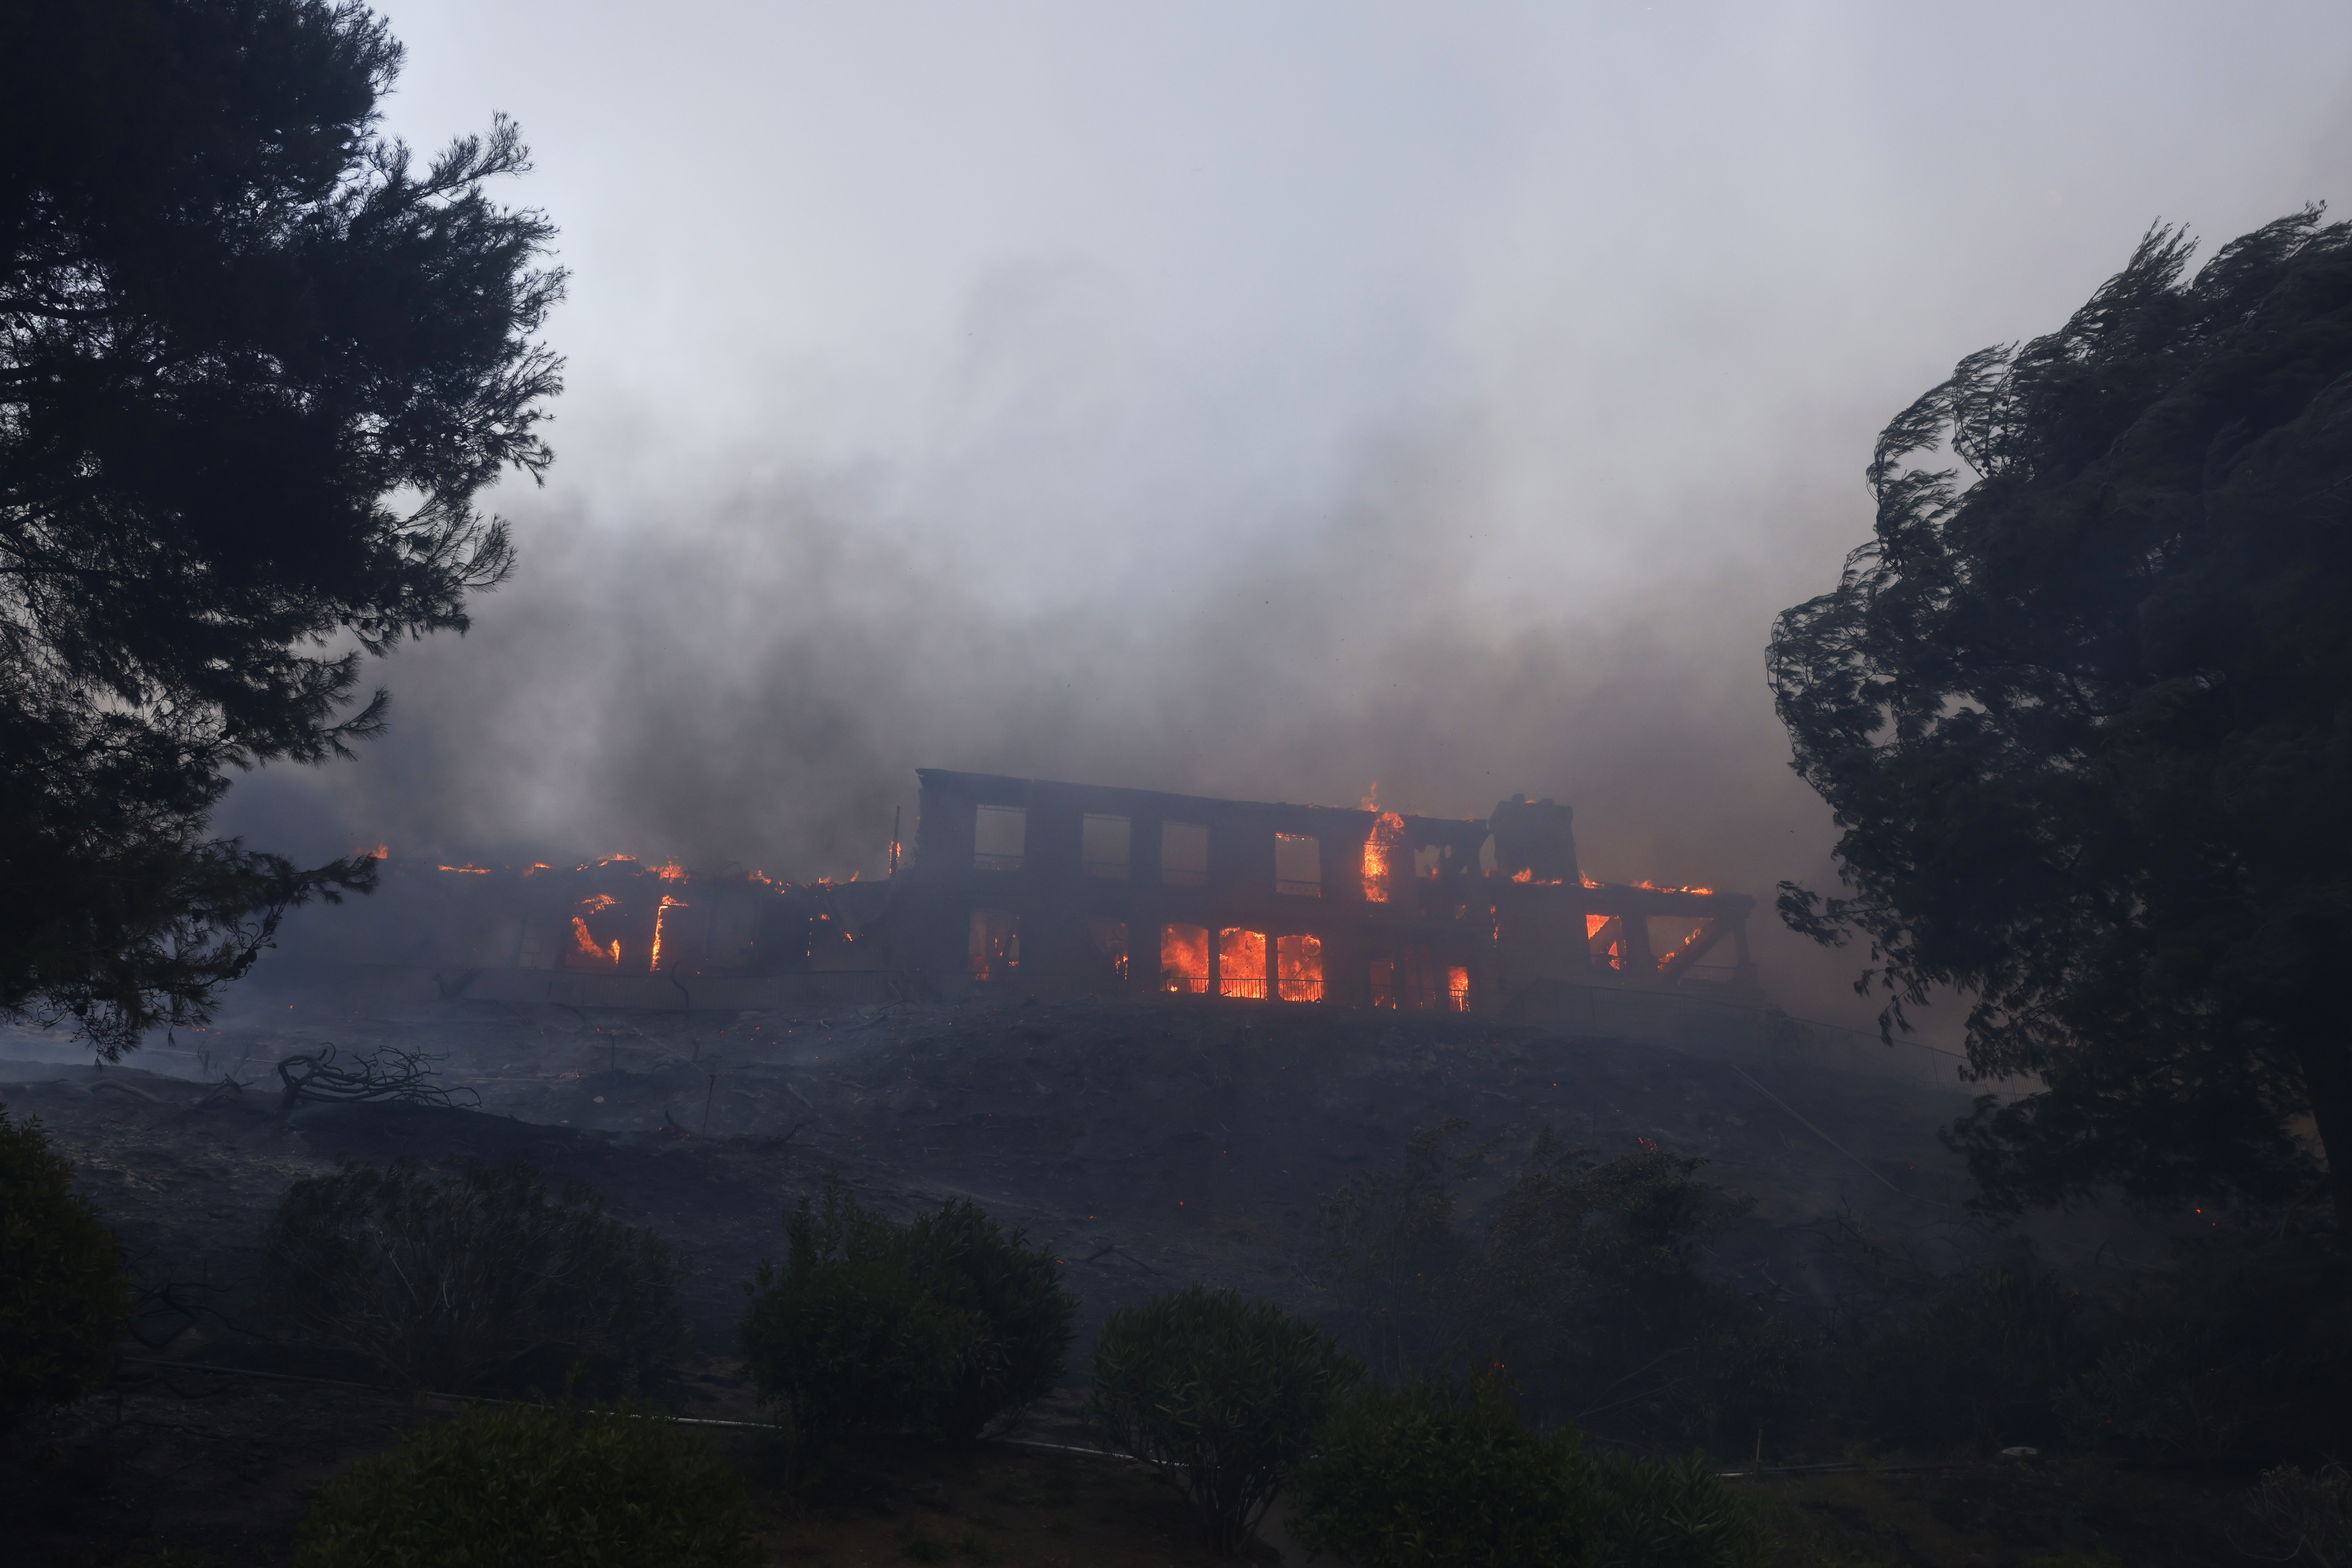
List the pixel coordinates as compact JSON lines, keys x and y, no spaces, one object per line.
{"x":1150,"y":1143}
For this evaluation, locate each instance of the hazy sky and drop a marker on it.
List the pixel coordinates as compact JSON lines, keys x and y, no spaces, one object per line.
{"x":1260,"y":399}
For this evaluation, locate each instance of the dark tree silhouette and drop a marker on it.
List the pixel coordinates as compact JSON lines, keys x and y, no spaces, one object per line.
{"x":2087,"y":723}
{"x":255,"y":366}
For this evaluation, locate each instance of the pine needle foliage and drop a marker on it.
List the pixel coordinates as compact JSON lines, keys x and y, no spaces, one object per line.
{"x":256,"y":362}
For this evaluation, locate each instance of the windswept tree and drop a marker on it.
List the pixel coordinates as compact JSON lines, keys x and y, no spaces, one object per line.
{"x":2085,"y":721}
{"x":255,"y":365}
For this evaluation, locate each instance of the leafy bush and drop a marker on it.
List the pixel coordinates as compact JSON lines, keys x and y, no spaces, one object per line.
{"x":1014,"y":1315}
{"x":2243,"y":1358}
{"x":847,"y":1334}
{"x":64,"y":1293}
{"x":1437,"y":1474}
{"x":1584,"y":1275}
{"x":949,"y":1322}
{"x":1977,"y":1366}
{"x":523,"y":1487}
{"x":1218,"y":1395}
{"x":455,"y":1282}
{"x":1666,"y":1513}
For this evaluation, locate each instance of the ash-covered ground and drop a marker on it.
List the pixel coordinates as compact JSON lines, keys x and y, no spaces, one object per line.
{"x":1151,"y":1144}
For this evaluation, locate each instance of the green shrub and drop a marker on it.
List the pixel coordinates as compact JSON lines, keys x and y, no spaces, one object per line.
{"x":1220,"y":1396}
{"x":1013,"y":1314}
{"x":64,"y":1293}
{"x":1434,"y":1474}
{"x":846,"y":1335}
{"x":1586,"y":1273}
{"x":948,"y":1323}
{"x":522,"y":1487}
{"x":1666,"y":1513}
{"x":481,"y":1279}
{"x":2242,"y":1357}
{"x":1979,"y":1366}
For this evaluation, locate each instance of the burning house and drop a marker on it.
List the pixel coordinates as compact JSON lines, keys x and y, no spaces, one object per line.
{"x":1056,"y":888}
{"x":1030,"y":888}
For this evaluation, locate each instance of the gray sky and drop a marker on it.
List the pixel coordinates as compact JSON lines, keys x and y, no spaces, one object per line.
{"x":1259,"y":399}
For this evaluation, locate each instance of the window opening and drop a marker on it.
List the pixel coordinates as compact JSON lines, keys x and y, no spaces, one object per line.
{"x":1382,"y":849}
{"x":1429,"y":859}
{"x":1670,"y":934}
{"x":1110,"y":941}
{"x":1184,"y":958}
{"x":1605,"y":935}
{"x":1241,"y":962}
{"x":1184,"y":854}
{"x":1298,"y":967}
{"x":1103,"y":844}
{"x":1411,"y":982}
{"x":998,"y":836}
{"x":589,"y":948}
{"x":1298,"y":865}
{"x":995,"y":944}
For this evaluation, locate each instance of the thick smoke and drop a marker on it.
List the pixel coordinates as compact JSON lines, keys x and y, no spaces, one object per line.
{"x":756,"y":686}
{"x":1260,"y":403}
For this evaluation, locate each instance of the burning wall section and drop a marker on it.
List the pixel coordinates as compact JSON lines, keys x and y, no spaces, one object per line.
{"x":1056,"y":889}
{"x":1031,"y":888}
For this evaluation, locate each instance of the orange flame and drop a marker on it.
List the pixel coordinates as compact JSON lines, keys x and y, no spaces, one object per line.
{"x":1184,"y":958}
{"x":660,"y":915}
{"x":1298,"y":967}
{"x":383,"y":852}
{"x":1241,"y":962}
{"x":469,"y":870}
{"x":670,"y":871}
{"x":588,"y":944}
{"x":1387,"y":837}
{"x":1526,"y":874}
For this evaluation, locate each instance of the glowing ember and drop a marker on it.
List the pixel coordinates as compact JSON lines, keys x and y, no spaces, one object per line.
{"x":1524,"y":874}
{"x":1298,"y":967}
{"x":469,"y":870}
{"x":660,"y":915}
{"x":995,"y":950}
{"x":1184,"y":958}
{"x":1241,"y":962}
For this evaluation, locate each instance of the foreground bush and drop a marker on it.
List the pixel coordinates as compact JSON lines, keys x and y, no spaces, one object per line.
{"x":64,"y":1293}
{"x":846,"y":1335}
{"x":1666,"y":1513}
{"x":1220,"y":1396}
{"x":1012,"y":1314}
{"x":1979,"y":1366}
{"x":521,"y":1487}
{"x":453,"y":1282}
{"x":2241,"y":1358}
{"x":1438,"y":1475}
